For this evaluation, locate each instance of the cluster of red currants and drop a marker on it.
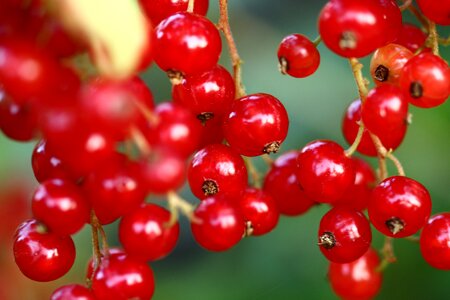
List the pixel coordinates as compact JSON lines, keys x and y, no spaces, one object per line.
{"x":104,"y":145}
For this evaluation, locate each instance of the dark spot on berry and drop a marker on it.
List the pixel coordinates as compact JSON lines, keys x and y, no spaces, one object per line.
{"x":205,"y":116}
{"x":347,"y":41}
{"x":381,"y":73}
{"x":210,"y":187}
{"x":272,"y":147}
{"x":416,"y":89}
{"x":327,"y":240}
{"x":395,"y":225}
{"x":283,"y":65}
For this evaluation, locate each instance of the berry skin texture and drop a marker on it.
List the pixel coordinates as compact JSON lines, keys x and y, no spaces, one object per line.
{"x":219,"y":225}
{"x":358,"y":279}
{"x":298,"y":56}
{"x":41,"y":255}
{"x":411,"y":37}
{"x":72,"y":292}
{"x":120,"y":277}
{"x":324,"y":171}
{"x":256,"y":124}
{"x":387,"y":63}
{"x":260,"y":209}
{"x":399,"y":206}
{"x":217,"y":169}
{"x":344,"y":235}
{"x":157,"y":10}
{"x":282,"y":184}
{"x":186,"y":43}
{"x":435,"y":241}
{"x":426,"y":80}
{"x":61,"y":206}
{"x":144,"y":235}
{"x":436,"y":11}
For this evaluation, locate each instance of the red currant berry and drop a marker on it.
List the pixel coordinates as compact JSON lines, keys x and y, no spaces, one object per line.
{"x":219,"y":224}
{"x":411,"y":37}
{"x":436,"y":11}
{"x":256,"y":124}
{"x":112,"y":252}
{"x":344,"y":235}
{"x":324,"y":171}
{"x":399,"y":206}
{"x":187,"y":43}
{"x":61,"y":206}
{"x":72,"y":292}
{"x":207,"y":95}
{"x":260,"y":210}
{"x":387,"y":63}
{"x":435,"y":241}
{"x":121,"y":277}
{"x":426,"y":80}
{"x":217,"y":169}
{"x":298,"y":56}
{"x":144,"y":234}
{"x":358,"y":279}
{"x":42,"y":255}
{"x":157,"y":10}
{"x":282,"y":184}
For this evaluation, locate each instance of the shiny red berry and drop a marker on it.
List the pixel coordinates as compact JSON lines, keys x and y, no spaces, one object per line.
{"x":157,"y":10}
{"x":42,"y":255}
{"x":298,"y":56}
{"x":399,"y":206}
{"x":344,"y":235}
{"x":435,"y":241}
{"x":282,"y":184}
{"x":72,"y":292}
{"x":411,"y":37}
{"x":358,"y":279}
{"x":219,"y":224}
{"x":217,"y":169}
{"x":324,"y":171}
{"x":256,"y":124}
{"x":144,"y":233}
{"x":387,"y":63}
{"x":436,"y":11}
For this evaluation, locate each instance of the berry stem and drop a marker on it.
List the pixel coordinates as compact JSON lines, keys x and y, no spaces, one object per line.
{"x":177,"y":204}
{"x":405,"y":5}
{"x":387,"y":154}
{"x":140,"y":141}
{"x":190,"y":7}
{"x":388,"y":255}
{"x":254,"y":174}
{"x":444,"y":41}
{"x":96,"y":253}
{"x":224,"y":26}
{"x":412,"y":238}
{"x":360,"y":81}
{"x":147,"y":113}
{"x":267,"y":159}
{"x":434,"y":38}
{"x":317,"y":40}
{"x":419,"y":16}
{"x":349,"y":152}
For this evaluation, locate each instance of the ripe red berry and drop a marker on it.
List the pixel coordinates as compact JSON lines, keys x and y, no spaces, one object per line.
{"x":435,"y":241}
{"x":282,"y":184}
{"x":324,"y":171}
{"x":399,"y":206}
{"x":217,"y":169}
{"x":144,"y":234}
{"x":260,"y":210}
{"x":122,"y":277}
{"x":344,"y":235}
{"x":358,"y":279}
{"x":256,"y":124}
{"x":207,"y":95}
{"x":426,"y":80}
{"x":186,"y":43}
{"x":157,"y":10}
{"x":436,"y":11}
{"x":298,"y":56}
{"x":387,"y":63}
{"x":42,"y":255}
{"x":411,"y":37}
{"x":219,"y":224}
{"x":72,"y":292}
{"x":61,"y":206}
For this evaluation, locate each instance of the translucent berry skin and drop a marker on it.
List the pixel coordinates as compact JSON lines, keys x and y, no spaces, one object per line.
{"x":350,"y":126}
{"x":385,"y":110}
{"x":61,"y":206}
{"x":220,"y":224}
{"x":411,"y":37}
{"x":40,"y":255}
{"x":187,"y":43}
{"x":207,"y":95}
{"x":221,"y":167}
{"x":358,"y":195}
{"x":72,"y":292}
{"x":435,"y":241}
{"x":157,"y":10}
{"x":121,"y":277}
{"x":282,"y":184}
{"x":324,"y":171}
{"x":387,"y":63}
{"x":436,"y":11}
{"x":426,"y":80}
{"x":298,"y":56}
{"x":260,"y":209}
{"x":350,"y":235}
{"x":358,"y":279}
{"x":399,"y":206}
{"x":256,"y":124}
{"x":144,"y":234}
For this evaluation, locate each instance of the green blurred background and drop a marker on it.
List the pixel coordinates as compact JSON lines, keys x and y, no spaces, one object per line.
{"x":286,"y":264}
